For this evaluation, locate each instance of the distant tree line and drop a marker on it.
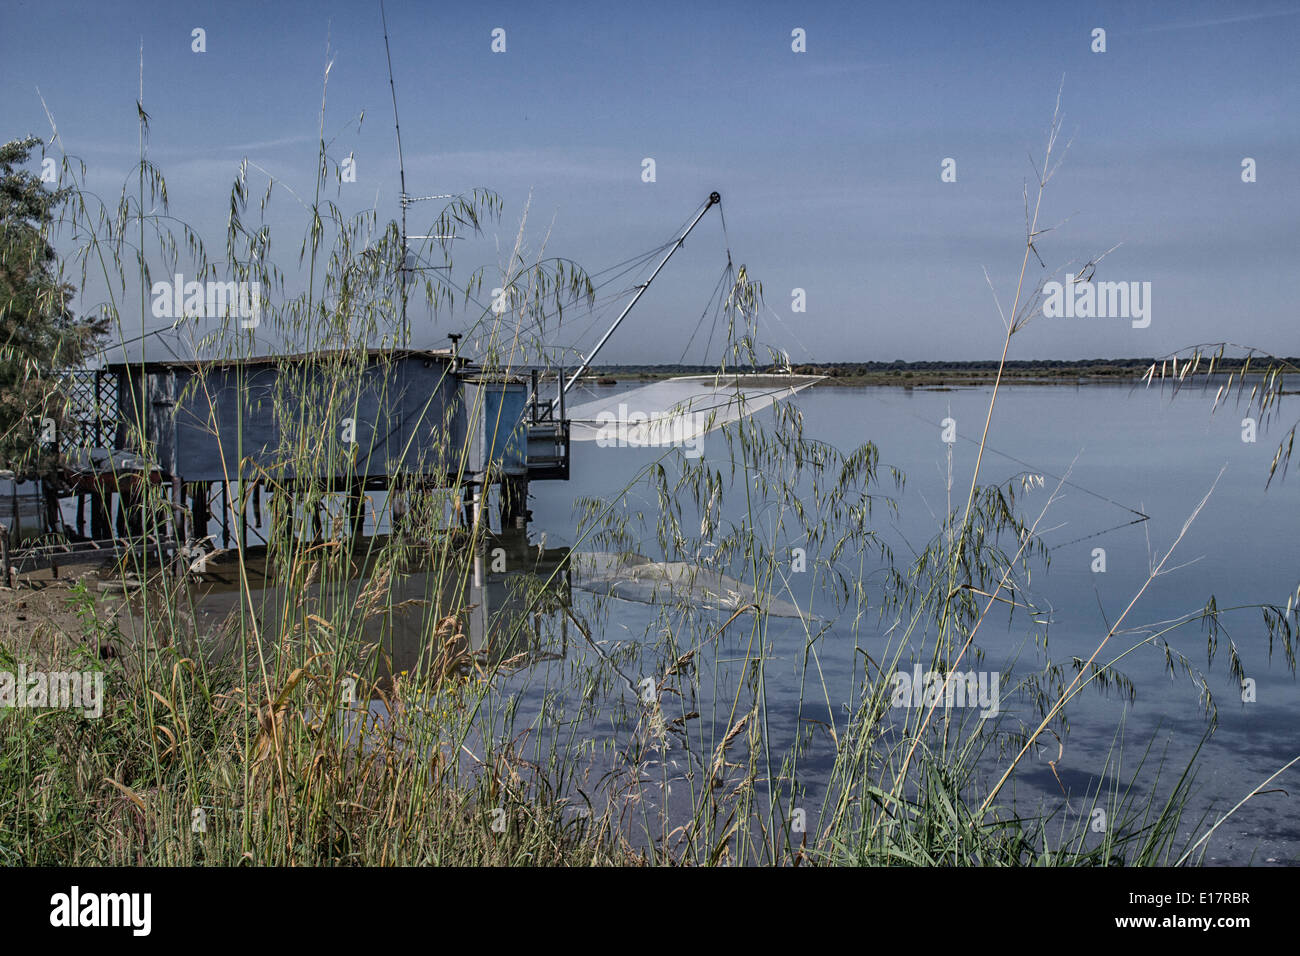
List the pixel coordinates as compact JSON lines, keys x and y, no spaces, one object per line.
{"x":851,"y":369}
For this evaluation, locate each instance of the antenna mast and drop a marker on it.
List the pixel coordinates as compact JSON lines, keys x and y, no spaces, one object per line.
{"x":401,"y":172}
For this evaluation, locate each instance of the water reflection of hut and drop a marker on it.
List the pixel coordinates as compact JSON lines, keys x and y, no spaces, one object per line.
{"x":509,"y":602}
{"x":520,"y":614}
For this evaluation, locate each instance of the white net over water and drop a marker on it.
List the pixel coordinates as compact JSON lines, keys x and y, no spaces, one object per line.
{"x":679,"y":410}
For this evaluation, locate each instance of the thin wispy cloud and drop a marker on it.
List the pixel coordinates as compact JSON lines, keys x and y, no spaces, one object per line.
{"x":841,"y":69}
{"x":540,"y":165}
{"x":1218,"y":21}
{"x":128,"y":146}
{"x":268,"y":143}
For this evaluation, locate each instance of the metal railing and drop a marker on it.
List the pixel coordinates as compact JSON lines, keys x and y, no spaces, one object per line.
{"x":90,"y":412}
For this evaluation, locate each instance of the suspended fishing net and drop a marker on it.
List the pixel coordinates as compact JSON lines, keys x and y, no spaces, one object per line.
{"x":679,"y":411}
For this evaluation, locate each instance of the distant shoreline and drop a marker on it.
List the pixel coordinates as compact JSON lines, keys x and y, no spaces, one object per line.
{"x":931,"y":374}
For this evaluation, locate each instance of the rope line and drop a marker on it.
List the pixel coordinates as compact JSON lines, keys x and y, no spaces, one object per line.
{"x":1140,"y":516}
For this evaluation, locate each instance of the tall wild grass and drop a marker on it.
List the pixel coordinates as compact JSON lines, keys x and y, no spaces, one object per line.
{"x":344,"y":711}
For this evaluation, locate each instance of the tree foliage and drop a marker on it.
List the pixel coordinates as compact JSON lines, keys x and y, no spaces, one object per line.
{"x":39,"y":334}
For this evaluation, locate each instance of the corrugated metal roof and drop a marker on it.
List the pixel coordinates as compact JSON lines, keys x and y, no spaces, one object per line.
{"x":274,"y":359}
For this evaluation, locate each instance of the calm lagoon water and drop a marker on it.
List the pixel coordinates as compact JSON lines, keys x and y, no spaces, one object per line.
{"x":1125,"y":450}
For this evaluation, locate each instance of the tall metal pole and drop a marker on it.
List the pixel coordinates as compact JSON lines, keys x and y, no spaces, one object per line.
{"x":714,"y":199}
{"x":401,"y":172}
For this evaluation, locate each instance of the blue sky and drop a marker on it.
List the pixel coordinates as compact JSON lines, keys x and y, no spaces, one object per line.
{"x":828,"y":161}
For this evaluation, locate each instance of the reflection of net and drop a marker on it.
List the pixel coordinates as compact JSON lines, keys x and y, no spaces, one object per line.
{"x":680,"y":409}
{"x":633,"y":577}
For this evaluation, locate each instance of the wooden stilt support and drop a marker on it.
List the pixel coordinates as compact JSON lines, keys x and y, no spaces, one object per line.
{"x":199,"y":515}
{"x":225,"y":514}
{"x":241,"y":519}
{"x":101,"y":521}
{"x":514,"y":504}
{"x":179,"y":526}
{"x":356,"y":510}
